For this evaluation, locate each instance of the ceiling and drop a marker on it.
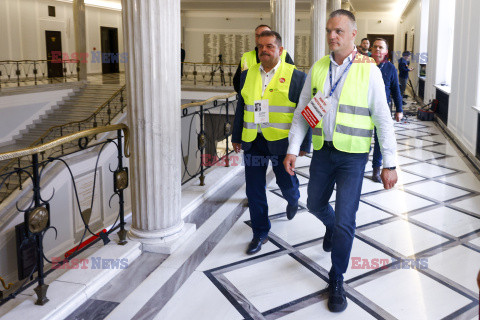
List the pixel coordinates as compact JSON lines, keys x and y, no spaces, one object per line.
{"x":264,"y":5}
{"x":378,"y":5}
{"x":302,"y":5}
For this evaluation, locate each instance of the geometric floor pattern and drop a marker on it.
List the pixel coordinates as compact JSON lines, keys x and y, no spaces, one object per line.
{"x":416,"y":252}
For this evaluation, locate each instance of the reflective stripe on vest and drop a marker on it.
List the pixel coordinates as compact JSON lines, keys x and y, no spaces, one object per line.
{"x":353,"y":124}
{"x":283,"y":126}
{"x":317,"y":131}
{"x":281,"y":109}
{"x":249,"y":59}
{"x":277,"y":109}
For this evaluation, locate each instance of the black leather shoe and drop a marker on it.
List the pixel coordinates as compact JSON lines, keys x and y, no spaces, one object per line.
{"x":376,"y":175}
{"x":337,"y":301}
{"x":327,"y":240}
{"x":292,"y":211}
{"x":255,"y":245}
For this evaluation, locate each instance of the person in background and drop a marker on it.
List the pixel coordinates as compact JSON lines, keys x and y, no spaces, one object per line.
{"x":389,"y":75}
{"x":403,"y":69}
{"x":251,"y":58}
{"x":364,"y":46}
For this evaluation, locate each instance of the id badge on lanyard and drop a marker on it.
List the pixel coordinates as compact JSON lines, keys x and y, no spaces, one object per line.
{"x":261,"y":111}
{"x":316,"y":109}
{"x":320,"y":104}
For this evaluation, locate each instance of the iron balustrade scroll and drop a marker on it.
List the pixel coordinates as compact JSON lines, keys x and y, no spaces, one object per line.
{"x":18,"y":72}
{"x":103,"y":116}
{"x":213,"y":74}
{"x":208,"y":74}
{"x":38,"y":209}
{"x":209,"y":123}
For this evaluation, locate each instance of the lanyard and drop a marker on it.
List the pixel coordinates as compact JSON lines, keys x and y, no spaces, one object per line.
{"x":332,"y":88}
{"x":381,"y":65}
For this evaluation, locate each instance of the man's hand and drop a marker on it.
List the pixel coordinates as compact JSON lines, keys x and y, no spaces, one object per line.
{"x":237,"y":147}
{"x":389,"y":178}
{"x":289,"y":163}
{"x":302,"y":153}
{"x":398,"y":116}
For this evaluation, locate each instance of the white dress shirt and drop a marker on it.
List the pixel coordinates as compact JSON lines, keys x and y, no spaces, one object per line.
{"x":266,"y":78}
{"x":377,"y":103}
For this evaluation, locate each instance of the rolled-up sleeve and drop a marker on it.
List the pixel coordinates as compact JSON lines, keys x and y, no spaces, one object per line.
{"x":377,"y":103}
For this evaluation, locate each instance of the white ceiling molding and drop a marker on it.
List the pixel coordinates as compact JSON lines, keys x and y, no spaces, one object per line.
{"x":102,"y":4}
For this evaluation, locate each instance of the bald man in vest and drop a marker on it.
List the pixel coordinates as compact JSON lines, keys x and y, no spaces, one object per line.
{"x":354,"y":89}
{"x":268,"y":98}
{"x":251,"y":58}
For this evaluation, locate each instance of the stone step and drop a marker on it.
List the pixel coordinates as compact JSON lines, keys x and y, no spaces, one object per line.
{"x":86,"y":99}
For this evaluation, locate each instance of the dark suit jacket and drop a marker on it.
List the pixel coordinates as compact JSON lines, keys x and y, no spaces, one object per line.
{"x":278,"y":147}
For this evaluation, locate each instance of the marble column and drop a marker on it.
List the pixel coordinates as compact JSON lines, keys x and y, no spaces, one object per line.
{"x":152,"y":41}
{"x":80,"y":35}
{"x":283,"y":21}
{"x":335,"y":5}
{"x":318,"y":14}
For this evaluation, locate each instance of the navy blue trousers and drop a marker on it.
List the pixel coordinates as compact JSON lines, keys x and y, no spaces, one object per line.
{"x":256,"y":161}
{"x":329,"y":167}
{"x":377,"y":154}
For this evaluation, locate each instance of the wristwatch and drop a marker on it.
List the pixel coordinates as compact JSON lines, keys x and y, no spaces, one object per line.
{"x":391,"y":168}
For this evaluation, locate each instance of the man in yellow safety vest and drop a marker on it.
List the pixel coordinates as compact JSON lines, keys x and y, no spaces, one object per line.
{"x":264,"y":113}
{"x":353,"y":88}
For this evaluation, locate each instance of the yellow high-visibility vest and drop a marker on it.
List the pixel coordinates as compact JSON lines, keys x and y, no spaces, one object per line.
{"x":281,"y":109}
{"x":353,"y":126}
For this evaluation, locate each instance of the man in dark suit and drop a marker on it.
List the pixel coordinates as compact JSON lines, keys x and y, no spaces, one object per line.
{"x":268,"y":98}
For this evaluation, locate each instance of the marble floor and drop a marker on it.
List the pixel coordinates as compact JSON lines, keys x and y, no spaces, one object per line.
{"x":416,"y":252}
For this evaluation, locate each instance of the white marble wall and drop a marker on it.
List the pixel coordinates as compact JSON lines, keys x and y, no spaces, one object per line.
{"x":462,"y":119}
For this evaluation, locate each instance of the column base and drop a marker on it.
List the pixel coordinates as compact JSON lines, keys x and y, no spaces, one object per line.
{"x":152,"y":241}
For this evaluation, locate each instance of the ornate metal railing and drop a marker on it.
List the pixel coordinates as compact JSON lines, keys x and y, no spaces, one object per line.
{"x":209,"y":124}
{"x":213,"y":74}
{"x":37,"y":209}
{"x":31,"y":72}
{"x":208,"y":74}
{"x":103,"y":116}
